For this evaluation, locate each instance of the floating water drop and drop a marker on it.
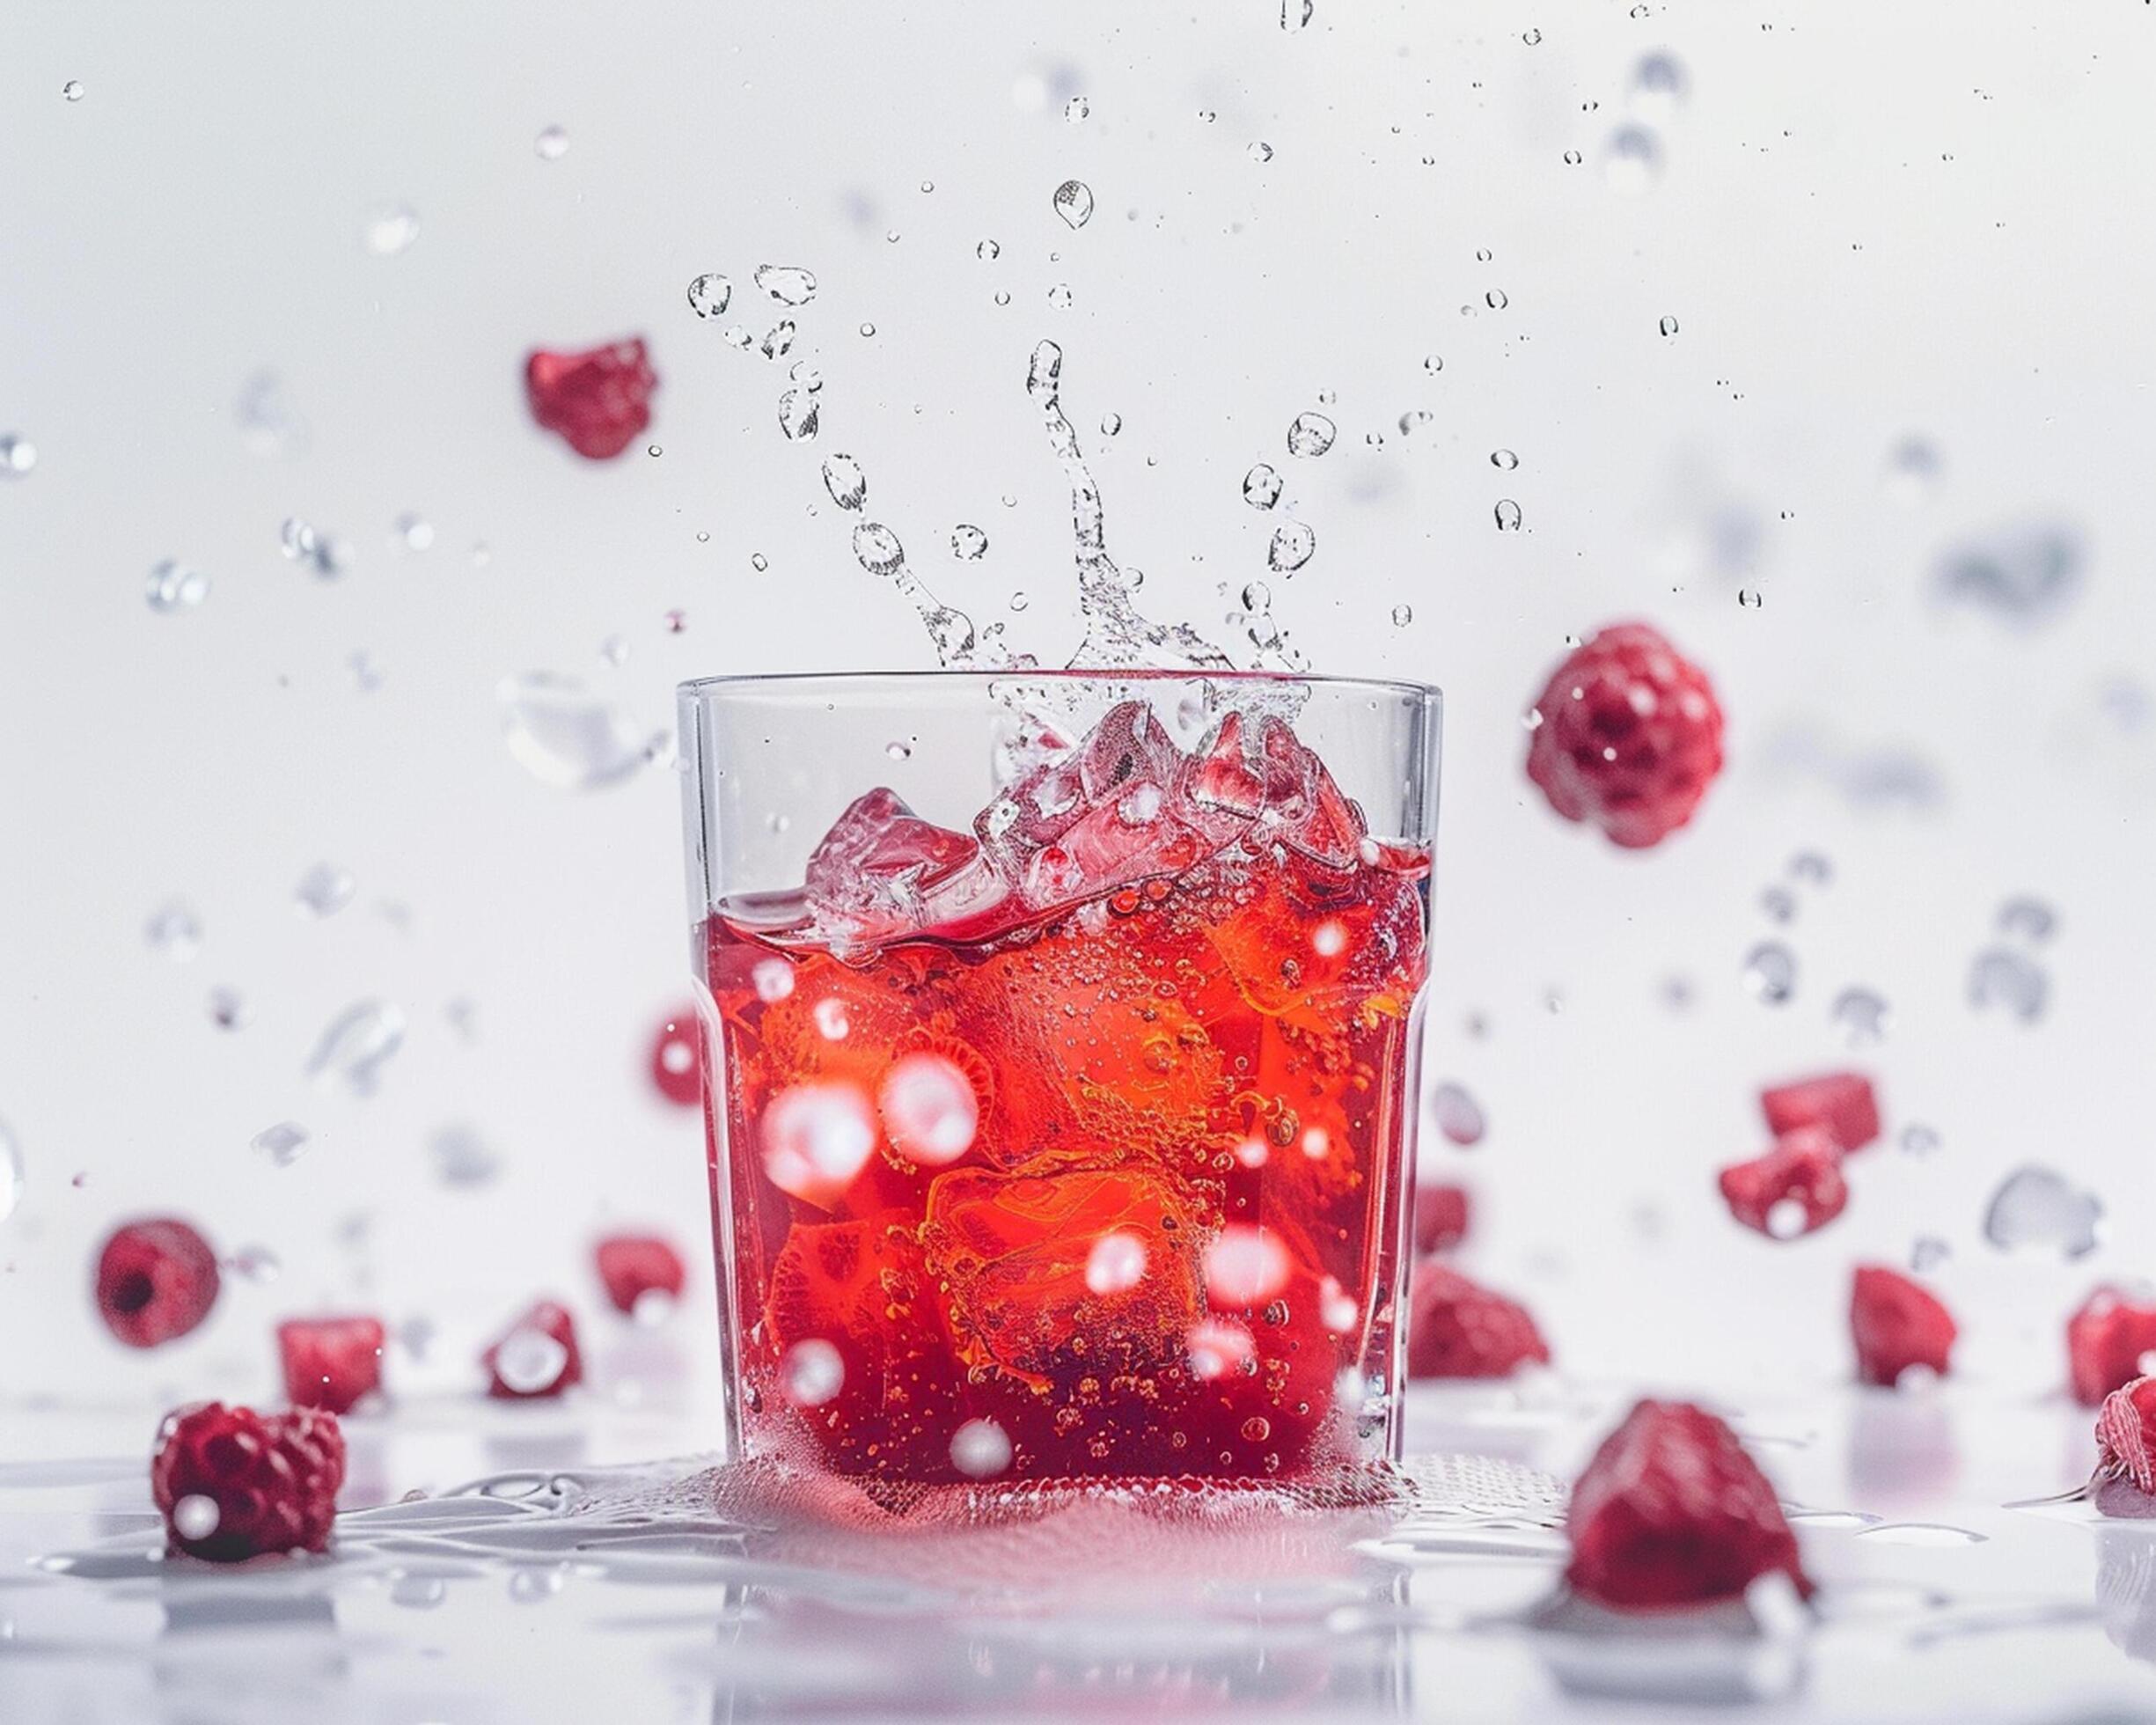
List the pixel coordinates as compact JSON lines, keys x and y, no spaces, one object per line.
{"x":1077,"y":109}
{"x":1457,"y":1115}
{"x":779,"y":340}
{"x":1496,"y":299}
{"x":1779,"y":904}
{"x":968,"y":543}
{"x":357,"y":1043}
{"x":1293,"y":542}
{"x":1771,"y":972}
{"x":2026,"y":919}
{"x":786,"y":284}
{"x":1657,"y":87}
{"x":1532,"y":38}
{"x":798,"y":415}
{"x":1572,"y":158}
{"x":173,"y":586}
{"x":1432,"y":364}
{"x":1811,"y":868}
{"x":2004,"y":979}
{"x":2037,"y":1209}
{"x":1413,"y":421}
{"x":1060,"y":296}
{"x":1750,"y":598}
{"x":282,"y":1143}
{"x":2024,"y":574}
{"x":842,"y":478}
{"x":391,"y":229}
{"x":566,"y":736}
{"x":414,"y":531}
{"x":1507,"y":514}
{"x":1261,"y":152}
{"x":1862,"y":1017}
{"x":710,"y":294}
{"x":324,"y":553}
{"x":1669,"y":325}
{"x":1917,"y":1139}
{"x":1927,"y":1252}
{"x":1074,"y":203}
{"x":1503,"y":459}
{"x":553,"y":143}
{"x":1261,"y":487}
{"x":71,"y":90}
{"x":987,"y":251}
{"x":1631,"y":160}
{"x":228,"y":1007}
{"x":462,"y":1158}
{"x":18,"y":456}
{"x":1403,"y":615}
{"x":324,"y":889}
{"x":1913,"y":467}
{"x":1311,"y":435}
{"x":255,"y":1263}
{"x":1295,"y":14}
{"x":175,"y":930}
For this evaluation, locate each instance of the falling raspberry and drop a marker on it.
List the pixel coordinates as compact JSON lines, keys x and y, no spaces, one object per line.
{"x":1629,"y":737}
{"x":2107,"y":1341}
{"x":1841,"y":1101}
{"x":2126,"y":1435}
{"x":330,"y":1363}
{"x":677,"y":1059}
{"x":1440,"y":1217}
{"x":1457,"y":1328}
{"x":536,"y":1356}
{"x":1672,"y":1512}
{"x":1897,"y":1324}
{"x":234,"y":1484}
{"x":642,"y":1274}
{"x":1795,"y":1188}
{"x":156,"y":1279}
{"x":600,"y":400}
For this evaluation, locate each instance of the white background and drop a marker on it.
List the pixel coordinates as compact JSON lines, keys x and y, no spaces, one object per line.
{"x":1869,"y":223}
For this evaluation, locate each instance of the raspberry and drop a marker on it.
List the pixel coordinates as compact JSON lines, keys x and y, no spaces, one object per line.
{"x":156,"y":1279}
{"x":1842,"y":1102}
{"x":1672,"y":1512}
{"x":2107,"y":1341}
{"x":677,"y":1059}
{"x":634,"y":1265}
{"x":234,"y":1484}
{"x":536,"y":1355}
{"x":2126,"y":1434}
{"x":330,"y":1361}
{"x":600,"y":401}
{"x":1440,"y":1217}
{"x":1457,"y":1328}
{"x":1795,"y":1187}
{"x":1630,"y":736}
{"x":1896,"y":1324}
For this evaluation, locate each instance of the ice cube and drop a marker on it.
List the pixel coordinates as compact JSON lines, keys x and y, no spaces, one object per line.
{"x":868,"y":877}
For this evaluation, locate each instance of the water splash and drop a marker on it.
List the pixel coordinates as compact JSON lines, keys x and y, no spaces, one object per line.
{"x":958,"y":644}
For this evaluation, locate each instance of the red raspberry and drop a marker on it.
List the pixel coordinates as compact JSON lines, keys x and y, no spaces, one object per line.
{"x":634,"y":1265}
{"x":2107,"y":1339}
{"x":600,"y":402}
{"x":1440,"y":1217}
{"x":234,"y":1484}
{"x":1842,"y":1102}
{"x":677,"y":1059}
{"x":1805,"y":1167}
{"x":2126,"y":1435}
{"x":536,"y":1355}
{"x":1457,"y":1328}
{"x":330,"y":1361}
{"x":1672,"y":1512}
{"x":156,"y":1280}
{"x":1896,"y":1324}
{"x":1630,"y":736}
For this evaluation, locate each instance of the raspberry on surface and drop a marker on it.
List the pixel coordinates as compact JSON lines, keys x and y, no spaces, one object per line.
{"x":2107,"y":1341}
{"x":1792,"y":1190}
{"x":1671,"y":1512}
{"x":2126,"y":1435}
{"x":632,"y":1265}
{"x":1843,"y":1103}
{"x":156,"y":1279}
{"x":330,"y":1363}
{"x":234,"y":1484}
{"x":677,"y":1059}
{"x":1897,"y":1324}
{"x":1630,"y":736}
{"x":598,"y":400}
{"x":1458,"y":1328}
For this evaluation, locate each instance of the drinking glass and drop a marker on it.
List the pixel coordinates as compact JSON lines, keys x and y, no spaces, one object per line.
{"x":1060,"y":1035}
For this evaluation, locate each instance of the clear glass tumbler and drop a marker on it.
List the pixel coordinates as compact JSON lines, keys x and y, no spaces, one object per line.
{"x":1060,"y":1035}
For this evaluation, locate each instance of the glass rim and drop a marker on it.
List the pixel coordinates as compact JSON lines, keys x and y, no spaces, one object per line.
{"x":706,"y":688}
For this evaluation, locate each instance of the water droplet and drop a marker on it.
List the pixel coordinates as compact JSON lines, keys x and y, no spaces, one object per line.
{"x":1257,"y":597}
{"x":1403,"y":615}
{"x":1458,"y":1114}
{"x":1771,"y":972}
{"x":414,"y":531}
{"x":1077,"y":109}
{"x":72,"y":91}
{"x":1532,"y":38}
{"x":529,"y":1361}
{"x":462,"y":1158}
{"x":798,"y":415}
{"x":173,"y":586}
{"x":1293,"y":543}
{"x":1669,"y":325}
{"x":1779,"y":904}
{"x":282,"y":1143}
{"x":758,"y":561}
{"x":1507,"y":514}
{"x":1432,"y":364}
{"x":324,"y":889}
{"x":1631,"y":160}
{"x":968,"y":543}
{"x":710,"y":294}
{"x":391,"y":229}
{"x":255,"y":1263}
{"x":786,"y":284}
{"x":1002,"y":297}
{"x":987,"y":251}
{"x":552,"y":144}
{"x":1657,"y":87}
{"x":779,"y":340}
{"x":1261,"y":487}
{"x":1572,"y":158}
{"x":1060,"y":296}
{"x":18,"y":456}
{"x":1504,"y":459}
{"x":1413,"y":421}
{"x":2028,"y":919}
{"x":1074,"y":203}
{"x":1310,"y":434}
{"x":566,"y":736}
{"x":1111,"y":424}
{"x":1862,"y":1017}
{"x":228,"y":1007}
{"x":2004,"y":979}
{"x":1927,"y":1252}
{"x":1917,"y":1139}
{"x":2023,"y":575}
{"x":1913,"y":469}
{"x":979,"y":1450}
{"x":1811,"y":868}
{"x":1483,"y":254}
{"x":357,"y":1043}
{"x":842,"y":478}
{"x":174,"y":930}
{"x":2037,"y":1209}
{"x":1260,"y":151}
{"x":1296,"y":14}
{"x":1495,"y":299}
{"x":812,"y":1372}
{"x":1750,"y":598}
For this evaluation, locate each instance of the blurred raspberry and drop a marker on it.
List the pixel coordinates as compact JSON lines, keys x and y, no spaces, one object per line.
{"x":330,"y":1361}
{"x":234,"y":1484}
{"x":1896,"y":1324}
{"x":1440,"y":1217}
{"x":677,"y":1059}
{"x":156,"y":1279}
{"x":2108,"y":1339}
{"x":536,"y":1355}
{"x":1672,"y":1512}
{"x":1457,"y":1328}
{"x":2126,"y":1434}
{"x":1795,"y":1188}
{"x":600,"y":400}
{"x":1630,"y":736}
{"x":634,"y":1265}
{"x":1842,"y":1102}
